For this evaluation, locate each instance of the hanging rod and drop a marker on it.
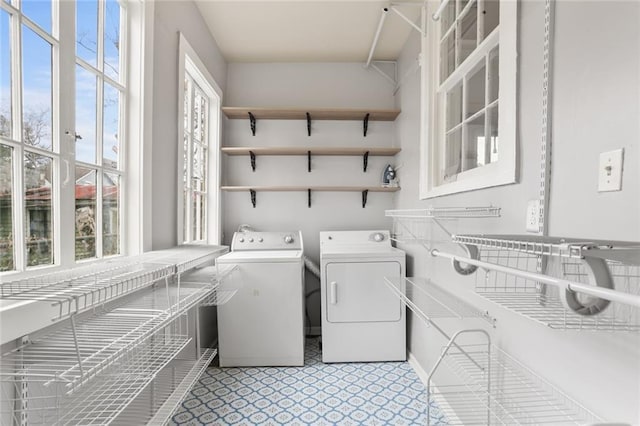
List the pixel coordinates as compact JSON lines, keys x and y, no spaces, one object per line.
{"x":436,"y":15}
{"x":604,"y":293}
{"x":383,"y":17}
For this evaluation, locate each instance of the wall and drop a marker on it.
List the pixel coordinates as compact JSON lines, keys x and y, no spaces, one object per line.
{"x":596,"y":107}
{"x":326,"y":85}
{"x":172,"y":18}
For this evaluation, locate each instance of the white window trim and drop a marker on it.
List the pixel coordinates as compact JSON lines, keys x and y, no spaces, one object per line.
{"x":189,"y":60}
{"x":505,"y":170}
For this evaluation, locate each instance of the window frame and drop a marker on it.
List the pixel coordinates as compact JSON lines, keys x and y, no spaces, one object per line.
{"x":190,"y":62}
{"x":433,"y":94}
{"x":64,"y":63}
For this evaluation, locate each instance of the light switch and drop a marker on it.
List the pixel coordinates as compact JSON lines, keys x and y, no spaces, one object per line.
{"x":610,"y":171}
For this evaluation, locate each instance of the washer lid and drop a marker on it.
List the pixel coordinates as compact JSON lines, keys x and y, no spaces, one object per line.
{"x":271,"y":256}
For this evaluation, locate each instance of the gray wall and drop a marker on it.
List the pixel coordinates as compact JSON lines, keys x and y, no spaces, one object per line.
{"x":172,"y":18}
{"x":596,"y":108}
{"x":326,"y":85}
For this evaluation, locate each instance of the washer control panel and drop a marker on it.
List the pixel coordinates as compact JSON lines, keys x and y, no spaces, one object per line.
{"x":266,"y":241}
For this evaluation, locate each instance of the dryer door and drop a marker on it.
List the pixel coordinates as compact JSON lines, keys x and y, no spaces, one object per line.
{"x":356,"y":292}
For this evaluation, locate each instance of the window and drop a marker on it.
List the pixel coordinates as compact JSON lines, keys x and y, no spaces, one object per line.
{"x":50,"y":158}
{"x":468,"y":136}
{"x":198,"y":207}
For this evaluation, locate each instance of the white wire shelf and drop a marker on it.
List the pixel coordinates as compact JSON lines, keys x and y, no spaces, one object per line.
{"x":544,"y":304}
{"x":75,"y":354}
{"x":503,"y":391}
{"x":185,"y":257}
{"x":35,"y":403}
{"x":112,"y":393}
{"x":622,"y":251}
{"x":444,"y":213}
{"x":157,"y":404}
{"x":430,"y":301}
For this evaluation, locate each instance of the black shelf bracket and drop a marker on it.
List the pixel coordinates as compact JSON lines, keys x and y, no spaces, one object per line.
{"x":252,"y":192}
{"x":252,"y":155}
{"x":366,"y":124}
{"x":309,"y":197}
{"x":365,"y":161}
{"x":309,"y":161}
{"x":252,"y":123}
{"x":308,"y":124}
{"x":364,"y":198}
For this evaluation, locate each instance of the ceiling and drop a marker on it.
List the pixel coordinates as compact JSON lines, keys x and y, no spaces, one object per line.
{"x":306,"y":30}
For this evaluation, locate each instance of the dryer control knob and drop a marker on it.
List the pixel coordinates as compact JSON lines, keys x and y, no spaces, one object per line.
{"x":260,"y":240}
{"x":241,"y":240}
{"x":250,"y":240}
{"x":378,"y":237}
{"x":288,"y":239}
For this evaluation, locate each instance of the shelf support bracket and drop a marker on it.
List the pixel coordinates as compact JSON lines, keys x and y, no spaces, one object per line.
{"x":252,"y":123}
{"x":365,"y":161}
{"x":309,"y":197}
{"x":252,"y":155}
{"x":252,"y":193}
{"x":309,"y":161}
{"x":365,"y":193}
{"x":308,"y":124}
{"x":365,"y":125}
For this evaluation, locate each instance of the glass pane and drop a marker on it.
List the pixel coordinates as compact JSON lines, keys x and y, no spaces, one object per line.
{"x":475,"y":151}
{"x":39,"y":11}
{"x":454,"y":107}
{"x":111,"y":126}
{"x":494,"y":76}
{"x":185,"y":215}
{"x":203,"y":215}
{"x":187,"y":104}
{"x":86,"y":203}
{"x":204,"y":114}
{"x":197,"y":115}
{"x":36,"y":89}
{"x":491,"y":14}
{"x":453,"y":150}
{"x":112,"y":39}
{"x":87,"y":30}
{"x":447,"y":56}
{"x":198,"y":167}
{"x":185,"y":160}
{"x":86,"y":112}
{"x":6,"y":208}
{"x":475,"y":92}
{"x":5,"y":75}
{"x":198,"y":214}
{"x":38,"y":209}
{"x":110,"y":214}
{"x":447,"y":18}
{"x":493,"y":134}
{"x":469,"y":32}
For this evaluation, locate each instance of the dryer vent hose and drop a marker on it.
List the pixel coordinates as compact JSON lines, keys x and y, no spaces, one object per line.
{"x":312,"y":267}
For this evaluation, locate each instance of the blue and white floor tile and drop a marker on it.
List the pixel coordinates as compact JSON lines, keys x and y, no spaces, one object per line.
{"x":387,"y":393}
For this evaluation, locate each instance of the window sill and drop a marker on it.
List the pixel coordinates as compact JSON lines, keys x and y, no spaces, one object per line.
{"x":470,"y":181}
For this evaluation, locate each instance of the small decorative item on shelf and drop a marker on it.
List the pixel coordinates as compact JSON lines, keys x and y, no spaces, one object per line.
{"x":389,"y":177}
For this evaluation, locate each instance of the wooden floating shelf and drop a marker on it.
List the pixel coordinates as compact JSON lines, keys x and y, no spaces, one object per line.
{"x":245,"y":150}
{"x":315,"y":113}
{"x":313,"y":188}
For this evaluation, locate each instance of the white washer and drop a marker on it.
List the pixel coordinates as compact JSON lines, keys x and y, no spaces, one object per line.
{"x":362,"y":320}
{"x":263,"y":324}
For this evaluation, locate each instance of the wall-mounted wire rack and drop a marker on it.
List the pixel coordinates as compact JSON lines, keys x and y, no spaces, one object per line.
{"x":113,"y":351}
{"x":482,"y":384}
{"x":413,"y":225}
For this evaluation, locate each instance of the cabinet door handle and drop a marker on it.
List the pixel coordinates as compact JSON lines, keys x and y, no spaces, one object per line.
{"x":333,"y":296}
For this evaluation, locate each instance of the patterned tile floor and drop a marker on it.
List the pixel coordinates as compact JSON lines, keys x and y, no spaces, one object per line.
{"x":386,"y":393}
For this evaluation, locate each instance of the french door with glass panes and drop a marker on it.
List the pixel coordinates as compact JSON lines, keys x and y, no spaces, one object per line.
{"x":62,"y":107}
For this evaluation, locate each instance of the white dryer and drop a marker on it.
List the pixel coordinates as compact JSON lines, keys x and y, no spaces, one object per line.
{"x":362,"y":320}
{"x":263,"y":324}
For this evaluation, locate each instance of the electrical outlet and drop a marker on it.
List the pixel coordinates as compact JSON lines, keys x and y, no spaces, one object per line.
{"x":610,"y":171}
{"x":533,"y":216}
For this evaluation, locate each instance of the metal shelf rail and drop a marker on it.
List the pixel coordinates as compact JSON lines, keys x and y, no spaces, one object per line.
{"x":502,"y":392}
